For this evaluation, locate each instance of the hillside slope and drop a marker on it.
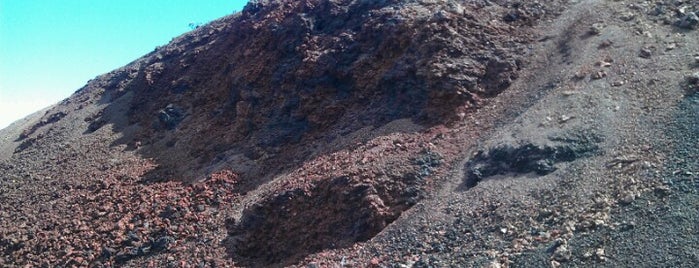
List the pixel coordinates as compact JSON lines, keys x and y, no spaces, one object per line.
{"x":375,"y":133}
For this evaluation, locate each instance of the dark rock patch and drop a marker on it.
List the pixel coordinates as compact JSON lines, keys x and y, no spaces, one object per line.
{"x":25,"y":144}
{"x":136,"y":250}
{"x":529,"y":157}
{"x":691,"y":83}
{"x":50,"y":119}
{"x":689,"y":21}
{"x":96,"y":122}
{"x":170,"y":117}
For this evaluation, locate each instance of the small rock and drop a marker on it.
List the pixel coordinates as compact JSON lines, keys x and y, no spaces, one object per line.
{"x":108,"y":252}
{"x":599,"y":222}
{"x":131,"y":236}
{"x":568,"y":93}
{"x":625,"y":226}
{"x":596,"y":28}
{"x":627,"y":199}
{"x":162,"y":243}
{"x":600,"y":254}
{"x":634,"y":6}
{"x":554,"y":246}
{"x":689,"y":21}
{"x":646,"y":53}
{"x":662,"y":191}
{"x":692,"y":83}
{"x":617,"y":83}
{"x":544,"y":213}
{"x":682,"y":10}
{"x":171,"y":116}
{"x":605,"y":44}
{"x":657,"y":10}
{"x":627,"y":16}
{"x":143,"y":250}
{"x":126,"y":255}
{"x":585,"y":225}
{"x":598,"y":75}
{"x":565,"y":118}
{"x":670,"y":46}
{"x":562,"y":253}
{"x":555,"y":264}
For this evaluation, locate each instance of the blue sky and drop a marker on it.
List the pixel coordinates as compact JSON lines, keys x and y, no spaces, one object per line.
{"x":51,"y":48}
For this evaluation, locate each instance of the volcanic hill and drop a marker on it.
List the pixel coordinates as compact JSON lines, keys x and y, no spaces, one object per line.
{"x":356,"y":133}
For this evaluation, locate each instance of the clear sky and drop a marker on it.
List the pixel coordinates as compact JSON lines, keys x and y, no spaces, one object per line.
{"x":51,"y":48}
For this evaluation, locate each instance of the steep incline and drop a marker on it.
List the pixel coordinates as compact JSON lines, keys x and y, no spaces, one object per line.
{"x":273,"y":102}
{"x":272,"y":86}
{"x":373,"y":133}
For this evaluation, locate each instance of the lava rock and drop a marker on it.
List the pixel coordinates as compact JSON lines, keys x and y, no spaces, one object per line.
{"x":693,"y":79}
{"x":527,"y":158}
{"x":126,"y":255}
{"x":170,"y":212}
{"x":689,"y":21}
{"x":108,"y":252}
{"x":162,"y":243}
{"x":692,"y":83}
{"x":171,"y":116}
{"x":627,"y":16}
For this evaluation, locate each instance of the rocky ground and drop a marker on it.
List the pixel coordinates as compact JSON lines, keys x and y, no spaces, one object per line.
{"x":375,"y":134}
